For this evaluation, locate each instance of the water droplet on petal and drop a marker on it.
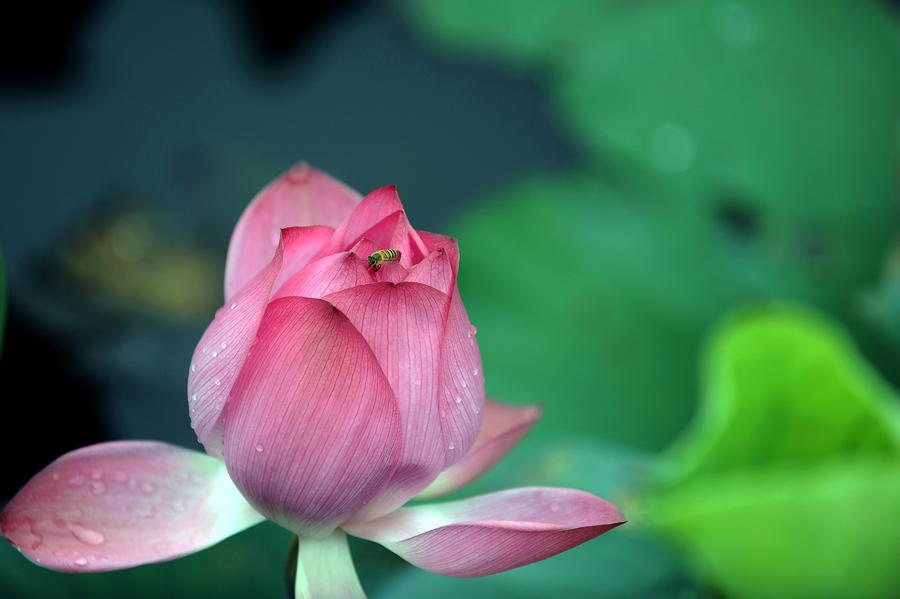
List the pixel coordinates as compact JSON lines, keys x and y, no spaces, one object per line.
{"x":233,"y":305}
{"x":259,"y":447}
{"x":144,"y":511}
{"x":194,"y":367}
{"x":458,"y":399}
{"x":205,"y":349}
{"x":475,"y":371}
{"x":451,"y":446}
{"x":477,"y":409}
{"x":224,"y":345}
{"x":218,"y":381}
{"x":96,"y":474}
{"x":215,"y":353}
{"x":81,"y":562}
{"x":76,"y":480}
{"x":98,"y":487}
{"x":194,"y":397}
{"x":87,"y":536}
{"x":464,"y":384}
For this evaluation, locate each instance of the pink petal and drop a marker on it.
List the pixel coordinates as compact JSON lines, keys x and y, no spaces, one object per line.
{"x":435,"y":271}
{"x":462,"y":383}
{"x":117,"y":505}
{"x":404,"y":325}
{"x":503,"y":426}
{"x":374,"y":207}
{"x":325,"y":569}
{"x":312,"y":429}
{"x":302,"y":196}
{"x":327,"y":275}
{"x":492,"y":533}
{"x":300,"y":245}
{"x":434,"y":241}
{"x":221,"y":353}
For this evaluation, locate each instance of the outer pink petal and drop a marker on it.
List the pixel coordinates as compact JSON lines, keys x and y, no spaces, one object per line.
{"x":117,"y":505}
{"x":435,"y":271}
{"x":312,"y":429}
{"x":325,"y":569}
{"x":404,"y":325}
{"x":503,"y":426}
{"x":328,"y":275}
{"x":221,"y":353}
{"x":462,"y":382}
{"x":434,"y":241}
{"x":375,"y":207}
{"x":300,"y":245}
{"x":492,"y":533}
{"x":302,"y":196}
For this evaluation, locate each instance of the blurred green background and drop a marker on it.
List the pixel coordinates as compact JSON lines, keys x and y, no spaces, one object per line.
{"x":678,"y":225}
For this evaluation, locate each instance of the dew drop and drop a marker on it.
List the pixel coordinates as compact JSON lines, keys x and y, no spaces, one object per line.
{"x":205,"y":349}
{"x":475,"y":371}
{"x":96,"y":474}
{"x":555,"y":507}
{"x":218,"y":381}
{"x":98,"y":487}
{"x":144,"y":511}
{"x":224,"y":345}
{"x":464,"y":384}
{"x":215,"y":353}
{"x":259,"y":447}
{"x":451,"y":446}
{"x":194,"y":397}
{"x":194,"y":367}
{"x":87,"y":536}
{"x":233,"y":305}
{"x":458,"y":399}
{"x":476,"y":408}
{"x":81,"y":562}
{"x":76,"y":480}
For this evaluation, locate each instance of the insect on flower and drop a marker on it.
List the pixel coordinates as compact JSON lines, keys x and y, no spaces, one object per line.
{"x":376,"y":258}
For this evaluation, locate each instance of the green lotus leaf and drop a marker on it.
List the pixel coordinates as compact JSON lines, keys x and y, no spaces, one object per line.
{"x":788,"y":482}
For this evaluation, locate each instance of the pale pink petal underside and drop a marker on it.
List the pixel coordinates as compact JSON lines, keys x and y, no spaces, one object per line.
{"x":325,"y":569}
{"x":312,"y":429}
{"x":492,"y":533}
{"x":117,"y":505}
{"x":222,"y":351}
{"x":404,"y":324}
{"x":501,"y":429}
{"x":300,"y":197}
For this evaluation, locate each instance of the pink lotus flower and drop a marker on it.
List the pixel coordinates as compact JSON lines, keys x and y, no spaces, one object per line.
{"x":327,"y":393}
